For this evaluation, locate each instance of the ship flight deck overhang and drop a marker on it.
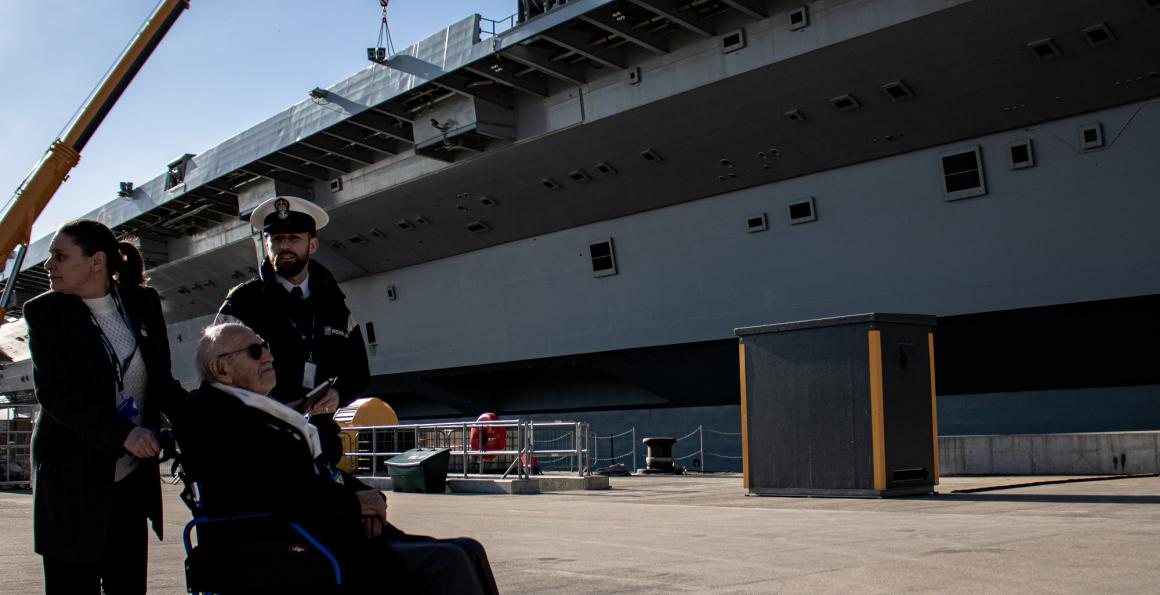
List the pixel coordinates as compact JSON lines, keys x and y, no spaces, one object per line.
{"x":600,"y":109}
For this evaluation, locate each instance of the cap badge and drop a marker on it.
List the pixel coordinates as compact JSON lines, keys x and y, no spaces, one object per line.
{"x":283,"y":207}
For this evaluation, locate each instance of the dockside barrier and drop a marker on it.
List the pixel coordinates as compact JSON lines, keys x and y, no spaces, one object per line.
{"x":1084,"y":453}
{"x":519,"y":447}
{"x":15,"y":445}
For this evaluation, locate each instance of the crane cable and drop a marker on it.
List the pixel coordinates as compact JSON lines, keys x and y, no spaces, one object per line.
{"x":385,"y":31}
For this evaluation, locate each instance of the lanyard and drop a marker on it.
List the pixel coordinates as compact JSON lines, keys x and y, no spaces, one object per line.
{"x":119,"y":365}
{"x":307,"y":339}
{"x":322,"y":465}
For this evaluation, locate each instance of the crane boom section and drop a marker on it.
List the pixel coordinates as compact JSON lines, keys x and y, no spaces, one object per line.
{"x":34,"y":194}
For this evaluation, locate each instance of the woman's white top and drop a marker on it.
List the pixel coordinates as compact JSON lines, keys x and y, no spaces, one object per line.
{"x":132,"y":398}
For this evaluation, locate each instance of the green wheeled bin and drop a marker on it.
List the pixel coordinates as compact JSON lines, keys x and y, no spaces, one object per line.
{"x":420,"y":470}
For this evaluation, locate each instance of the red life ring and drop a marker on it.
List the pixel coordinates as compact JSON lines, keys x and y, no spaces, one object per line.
{"x":493,"y":438}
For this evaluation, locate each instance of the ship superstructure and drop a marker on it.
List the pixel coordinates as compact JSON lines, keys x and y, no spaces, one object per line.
{"x":574,"y":214}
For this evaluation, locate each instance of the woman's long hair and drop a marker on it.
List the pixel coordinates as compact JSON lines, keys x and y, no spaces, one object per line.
{"x":123,"y":261}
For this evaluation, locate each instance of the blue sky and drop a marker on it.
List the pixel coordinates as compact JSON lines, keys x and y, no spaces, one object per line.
{"x":225,"y":66}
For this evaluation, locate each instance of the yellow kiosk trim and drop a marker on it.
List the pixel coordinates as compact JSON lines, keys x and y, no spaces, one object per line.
{"x":877,"y":427}
{"x":933,"y":406}
{"x":744,"y":419}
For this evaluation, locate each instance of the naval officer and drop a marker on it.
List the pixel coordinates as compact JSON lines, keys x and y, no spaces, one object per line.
{"x":297,"y":306}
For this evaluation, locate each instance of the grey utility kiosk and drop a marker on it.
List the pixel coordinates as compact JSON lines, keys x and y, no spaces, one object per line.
{"x":840,"y":406}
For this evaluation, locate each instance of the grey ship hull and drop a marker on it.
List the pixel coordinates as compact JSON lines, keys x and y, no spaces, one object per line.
{"x":1046,"y":283}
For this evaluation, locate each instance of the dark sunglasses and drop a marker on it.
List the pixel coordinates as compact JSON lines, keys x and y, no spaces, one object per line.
{"x":253,"y":349}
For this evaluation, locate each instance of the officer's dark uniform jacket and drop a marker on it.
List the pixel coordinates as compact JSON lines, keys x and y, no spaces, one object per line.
{"x":319,"y":327}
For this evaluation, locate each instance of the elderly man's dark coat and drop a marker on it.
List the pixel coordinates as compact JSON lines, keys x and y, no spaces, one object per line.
{"x":210,"y":428}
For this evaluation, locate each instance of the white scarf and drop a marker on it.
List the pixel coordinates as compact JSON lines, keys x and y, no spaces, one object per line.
{"x":274,"y":408}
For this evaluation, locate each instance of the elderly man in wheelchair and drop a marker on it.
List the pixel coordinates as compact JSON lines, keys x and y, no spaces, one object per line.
{"x":271,"y":512}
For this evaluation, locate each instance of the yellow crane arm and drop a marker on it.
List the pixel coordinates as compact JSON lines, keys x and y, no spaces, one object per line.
{"x":34,"y":194}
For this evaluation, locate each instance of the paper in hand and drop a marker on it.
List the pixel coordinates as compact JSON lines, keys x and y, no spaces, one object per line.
{"x":314,"y":396}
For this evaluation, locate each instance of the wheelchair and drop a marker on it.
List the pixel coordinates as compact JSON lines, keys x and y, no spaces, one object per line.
{"x":251,"y":553}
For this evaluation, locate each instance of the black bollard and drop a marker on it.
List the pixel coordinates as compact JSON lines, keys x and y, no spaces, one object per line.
{"x":660,"y":455}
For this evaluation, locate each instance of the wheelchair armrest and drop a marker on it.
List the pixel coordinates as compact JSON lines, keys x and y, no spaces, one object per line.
{"x":302,"y":532}
{"x":198,"y":521}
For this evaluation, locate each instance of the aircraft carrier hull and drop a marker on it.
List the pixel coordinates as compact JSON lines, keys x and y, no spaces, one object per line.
{"x":571,"y":217}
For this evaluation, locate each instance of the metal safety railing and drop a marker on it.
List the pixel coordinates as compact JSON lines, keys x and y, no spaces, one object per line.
{"x":525,"y":10}
{"x":614,"y":458}
{"x":485,"y":447}
{"x":15,"y":445}
{"x":489,"y":28}
{"x":695,"y":439}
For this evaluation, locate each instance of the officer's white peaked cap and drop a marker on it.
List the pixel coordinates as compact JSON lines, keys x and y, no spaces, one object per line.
{"x":288,"y":214}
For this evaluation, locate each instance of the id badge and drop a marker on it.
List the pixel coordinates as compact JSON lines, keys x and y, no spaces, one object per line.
{"x":309,"y":371}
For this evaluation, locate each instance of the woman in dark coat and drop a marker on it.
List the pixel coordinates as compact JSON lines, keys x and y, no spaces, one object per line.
{"x":101,"y":366}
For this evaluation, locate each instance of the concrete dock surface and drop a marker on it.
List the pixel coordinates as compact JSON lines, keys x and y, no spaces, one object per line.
{"x":701,"y":534}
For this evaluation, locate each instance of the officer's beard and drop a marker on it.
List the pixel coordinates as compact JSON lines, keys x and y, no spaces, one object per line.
{"x":289,"y":268}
